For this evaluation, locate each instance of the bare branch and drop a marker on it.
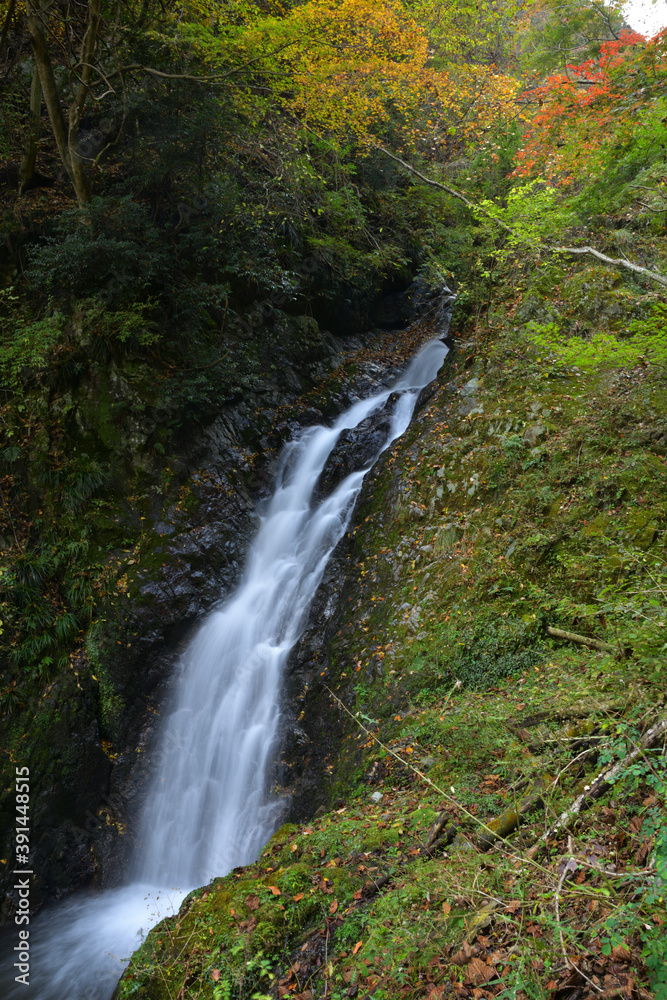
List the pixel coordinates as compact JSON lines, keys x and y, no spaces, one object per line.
{"x":213,"y":78}
{"x":429,"y":180}
{"x":653,"y":275}
{"x":599,"y":785}
{"x":636,"y":268}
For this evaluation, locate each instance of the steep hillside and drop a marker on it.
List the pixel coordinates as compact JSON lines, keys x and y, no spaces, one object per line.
{"x":498,"y":646}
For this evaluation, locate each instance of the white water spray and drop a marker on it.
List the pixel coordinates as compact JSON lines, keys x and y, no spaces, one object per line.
{"x":208,"y":809}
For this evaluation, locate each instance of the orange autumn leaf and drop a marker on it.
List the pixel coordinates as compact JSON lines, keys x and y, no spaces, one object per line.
{"x":357,"y":947}
{"x":297,"y":897}
{"x":275,"y":890}
{"x":334,"y":906}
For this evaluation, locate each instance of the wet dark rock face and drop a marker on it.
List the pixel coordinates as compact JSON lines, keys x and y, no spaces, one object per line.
{"x":356,"y":449}
{"x":90,"y":739}
{"x":313,"y":728}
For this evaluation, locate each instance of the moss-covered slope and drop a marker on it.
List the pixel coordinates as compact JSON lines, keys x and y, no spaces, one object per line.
{"x":529,"y":494}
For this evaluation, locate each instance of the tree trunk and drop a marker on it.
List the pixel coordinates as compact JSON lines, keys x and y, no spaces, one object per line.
{"x":27,"y":168}
{"x":88,"y":46}
{"x":4,"y":34}
{"x":37,"y":12}
{"x":36,"y":20}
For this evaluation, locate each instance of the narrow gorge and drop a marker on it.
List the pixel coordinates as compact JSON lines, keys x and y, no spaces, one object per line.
{"x":333,"y":500}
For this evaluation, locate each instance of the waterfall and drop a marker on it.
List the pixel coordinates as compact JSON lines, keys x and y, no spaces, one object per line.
{"x":208,"y":808}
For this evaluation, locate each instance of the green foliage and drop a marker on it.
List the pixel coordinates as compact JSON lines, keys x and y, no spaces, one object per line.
{"x":533,"y":213}
{"x":28,"y":348}
{"x":492,"y":160}
{"x":114,"y":250}
{"x":479,"y":655}
{"x":560,"y":33}
{"x":645,"y":341}
{"x":43,"y":631}
{"x":647,"y":900}
{"x":11,"y":115}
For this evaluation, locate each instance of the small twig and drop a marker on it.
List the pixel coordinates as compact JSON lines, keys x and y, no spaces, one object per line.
{"x":561,"y":880}
{"x":499,"y":841}
{"x":416,"y":770}
{"x":568,"y":961}
{"x":212,"y":78}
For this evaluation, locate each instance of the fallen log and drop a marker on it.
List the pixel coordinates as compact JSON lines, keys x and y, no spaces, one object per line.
{"x":599,"y":786}
{"x":582,"y":640}
{"x":501,"y":827}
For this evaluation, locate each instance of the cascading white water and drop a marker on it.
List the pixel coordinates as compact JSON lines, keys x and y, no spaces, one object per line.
{"x":208,"y":809}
